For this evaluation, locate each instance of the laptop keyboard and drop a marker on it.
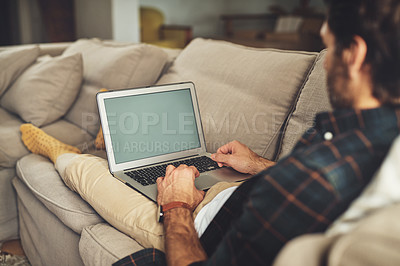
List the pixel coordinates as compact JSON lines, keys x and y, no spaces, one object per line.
{"x":148,"y":176}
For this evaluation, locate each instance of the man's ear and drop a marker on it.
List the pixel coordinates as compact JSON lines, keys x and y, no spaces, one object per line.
{"x":355,"y":55}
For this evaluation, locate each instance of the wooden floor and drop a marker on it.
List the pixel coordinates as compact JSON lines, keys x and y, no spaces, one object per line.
{"x":13,"y":247}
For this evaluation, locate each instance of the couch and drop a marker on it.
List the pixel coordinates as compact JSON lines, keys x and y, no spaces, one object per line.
{"x":264,"y":98}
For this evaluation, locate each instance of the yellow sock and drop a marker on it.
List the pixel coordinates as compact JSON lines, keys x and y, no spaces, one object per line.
{"x":38,"y":142}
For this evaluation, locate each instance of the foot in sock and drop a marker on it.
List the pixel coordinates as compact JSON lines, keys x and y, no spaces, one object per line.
{"x":38,"y":142}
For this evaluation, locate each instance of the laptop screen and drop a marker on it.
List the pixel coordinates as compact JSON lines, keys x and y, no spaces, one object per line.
{"x":147,"y":125}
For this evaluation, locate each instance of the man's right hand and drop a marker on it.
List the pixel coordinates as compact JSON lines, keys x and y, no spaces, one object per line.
{"x":241,"y":158}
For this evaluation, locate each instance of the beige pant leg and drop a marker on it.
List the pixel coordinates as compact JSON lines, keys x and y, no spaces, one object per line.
{"x":124,"y":208}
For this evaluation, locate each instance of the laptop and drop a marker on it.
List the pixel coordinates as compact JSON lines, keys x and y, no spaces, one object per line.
{"x":146,"y":129}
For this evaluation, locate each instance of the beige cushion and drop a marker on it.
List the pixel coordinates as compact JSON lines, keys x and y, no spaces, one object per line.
{"x":13,"y":62}
{"x":375,"y":241}
{"x":244,"y":93}
{"x":312,"y":99}
{"x":45,"y":91}
{"x":40,"y":177}
{"x":113,"y":67}
{"x":102,"y":244}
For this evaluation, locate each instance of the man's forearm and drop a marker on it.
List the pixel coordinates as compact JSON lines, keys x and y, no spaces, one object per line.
{"x":181,"y":241}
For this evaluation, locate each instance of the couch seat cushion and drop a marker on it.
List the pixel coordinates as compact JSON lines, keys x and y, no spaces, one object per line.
{"x":102,"y":244}
{"x":11,"y":146}
{"x":244,"y":93}
{"x":40,"y":176}
{"x":112,"y":67}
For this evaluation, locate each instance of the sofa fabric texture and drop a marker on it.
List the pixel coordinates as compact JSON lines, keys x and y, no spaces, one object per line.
{"x":38,"y":174}
{"x":311,"y":99}
{"x":13,"y":62}
{"x":8,"y":206}
{"x":11,"y":146}
{"x":45,"y":239}
{"x":112,"y":67}
{"x":251,"y":84}
{"x":106,"y":245}
{"x":45,"y":91}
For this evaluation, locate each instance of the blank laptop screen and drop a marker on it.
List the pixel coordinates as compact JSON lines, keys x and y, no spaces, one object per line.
{"x":148,"y":125}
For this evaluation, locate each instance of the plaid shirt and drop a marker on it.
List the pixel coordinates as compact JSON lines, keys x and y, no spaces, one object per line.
{"x":303,"y":193}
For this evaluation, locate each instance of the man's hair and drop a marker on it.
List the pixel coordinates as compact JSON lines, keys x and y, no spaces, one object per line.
{"x":378,"y":23}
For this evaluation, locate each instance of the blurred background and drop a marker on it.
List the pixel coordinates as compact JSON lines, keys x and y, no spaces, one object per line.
{"x":285,"y":24}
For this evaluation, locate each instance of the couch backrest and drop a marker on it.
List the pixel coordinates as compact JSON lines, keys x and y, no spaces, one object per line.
{"x":311,"y":99}
{"x":244,"y":93}
{"x":111,"y":66}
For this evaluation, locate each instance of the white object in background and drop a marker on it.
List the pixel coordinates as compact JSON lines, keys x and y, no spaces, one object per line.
{"x":125,"y":20}
{"x":288,"y":24}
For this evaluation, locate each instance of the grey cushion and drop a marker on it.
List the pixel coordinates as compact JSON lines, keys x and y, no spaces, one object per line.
{"x":112,"y":67}
{"x":45,"y":239}
{"x":68,"y":133}
{"x":312,"y":99}
{"x":13,"y":62}
{"x":102,"y":244}
{"x":46,"y":90}
{"x":39,"y":174}
{"x":244,"y":93}
{"x":8,"y":205}
{"x":11,"y":146}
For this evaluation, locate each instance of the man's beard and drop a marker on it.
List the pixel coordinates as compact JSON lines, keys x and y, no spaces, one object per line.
{"x":340,"y":95}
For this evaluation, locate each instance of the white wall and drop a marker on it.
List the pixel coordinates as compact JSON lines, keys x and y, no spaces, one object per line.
{"x":125,"y":20}
{"x":107,"y":19}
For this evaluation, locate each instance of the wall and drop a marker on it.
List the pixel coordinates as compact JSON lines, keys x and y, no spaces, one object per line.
{"x":93,"y":19}
{"x":125,"y":20}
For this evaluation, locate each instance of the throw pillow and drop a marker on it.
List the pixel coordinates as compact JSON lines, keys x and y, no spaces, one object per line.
{"x":244,"y":93}
{"x":113,"y":66}
{"x":46,"y":90}
{"x":13,"y":62}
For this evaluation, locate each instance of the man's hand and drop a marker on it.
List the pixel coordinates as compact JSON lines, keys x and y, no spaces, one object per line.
{"x":241,"y":158}
{"x":178,"y":185}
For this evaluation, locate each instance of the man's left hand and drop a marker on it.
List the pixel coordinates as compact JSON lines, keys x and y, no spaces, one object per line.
{"x":178,"y":185}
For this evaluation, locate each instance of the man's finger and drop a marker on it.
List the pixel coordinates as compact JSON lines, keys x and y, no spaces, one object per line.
{"x":220,"y":158}
{"x":196,"y":172}
{"x":169,"y":169}
{"x":224,"y":149}
{"x":160,"y":179}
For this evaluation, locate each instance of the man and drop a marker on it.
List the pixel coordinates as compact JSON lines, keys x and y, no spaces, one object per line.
{"x":329,"y":167}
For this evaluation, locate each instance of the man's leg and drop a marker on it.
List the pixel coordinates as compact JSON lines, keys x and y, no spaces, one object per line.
{"x":88,"y":175}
